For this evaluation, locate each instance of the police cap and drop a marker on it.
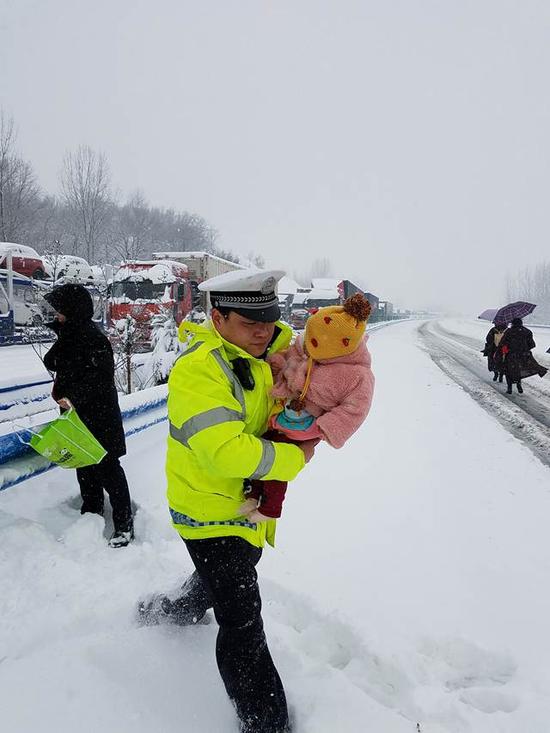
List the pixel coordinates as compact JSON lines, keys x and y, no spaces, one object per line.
{"x":250,"y":293}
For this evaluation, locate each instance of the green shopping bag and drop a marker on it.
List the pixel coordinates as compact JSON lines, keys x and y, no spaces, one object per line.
{"x":68,"y":442}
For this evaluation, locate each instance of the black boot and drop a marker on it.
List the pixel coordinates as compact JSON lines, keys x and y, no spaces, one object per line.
{"x":121,"y":538}
{"x":160,"y":609}
{"x":495,"y":377}
{"x":520,"y":388}
{"x":154,"y":610}
{"x":500,"y":377}
{"x":509,"y":390}
{"x":188,"y":609}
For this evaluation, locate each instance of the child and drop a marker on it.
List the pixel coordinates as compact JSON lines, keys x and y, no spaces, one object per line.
{"x":495,"y":361}
{"x":326,"y":385}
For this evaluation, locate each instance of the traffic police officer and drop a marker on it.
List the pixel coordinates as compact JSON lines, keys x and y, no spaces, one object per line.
{"x":218,"y":407}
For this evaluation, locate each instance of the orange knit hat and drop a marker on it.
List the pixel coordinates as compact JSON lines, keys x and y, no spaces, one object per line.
{"x":337,"y":330}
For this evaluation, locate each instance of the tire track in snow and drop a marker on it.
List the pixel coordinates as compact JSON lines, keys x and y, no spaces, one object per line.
{"x":526,"y":417}
{"x":474,"y":345}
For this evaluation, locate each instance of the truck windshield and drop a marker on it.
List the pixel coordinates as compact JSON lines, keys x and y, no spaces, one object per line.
{"x":143,"y":290}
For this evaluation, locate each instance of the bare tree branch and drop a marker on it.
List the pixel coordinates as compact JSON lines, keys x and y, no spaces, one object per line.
{"x":19,"y":192}
{"x":85,"y":182}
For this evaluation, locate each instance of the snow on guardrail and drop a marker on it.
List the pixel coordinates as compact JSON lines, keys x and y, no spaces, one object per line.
{"x":19,"y":462}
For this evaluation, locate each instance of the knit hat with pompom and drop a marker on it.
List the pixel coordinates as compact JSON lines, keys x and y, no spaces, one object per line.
{"x":337,"y":330}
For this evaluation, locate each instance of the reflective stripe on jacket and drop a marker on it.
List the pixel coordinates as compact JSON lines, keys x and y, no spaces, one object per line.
{"x":214,"y":441}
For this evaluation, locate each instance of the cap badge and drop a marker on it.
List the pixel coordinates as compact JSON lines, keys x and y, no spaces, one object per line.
{"x":268,"y":285}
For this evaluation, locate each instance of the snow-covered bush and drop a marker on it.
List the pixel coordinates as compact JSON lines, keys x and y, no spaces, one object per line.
{"x":197,"y":315}
{"x":124,"y":339}
{"x":166,"y":347}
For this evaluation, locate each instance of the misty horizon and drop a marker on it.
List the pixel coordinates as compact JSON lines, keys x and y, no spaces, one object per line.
{"x":406,"y":143}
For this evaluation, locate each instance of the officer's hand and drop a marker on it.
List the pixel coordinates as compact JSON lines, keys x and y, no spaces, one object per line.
{"x":65,"y":403}
{"x":308,"y":447}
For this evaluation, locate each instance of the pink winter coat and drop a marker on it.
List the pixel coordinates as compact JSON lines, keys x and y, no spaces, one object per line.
{"x":340,"y":391}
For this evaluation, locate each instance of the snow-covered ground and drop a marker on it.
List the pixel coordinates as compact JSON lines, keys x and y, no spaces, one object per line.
{"x":408,"y":591}
{"x":22,"y":364}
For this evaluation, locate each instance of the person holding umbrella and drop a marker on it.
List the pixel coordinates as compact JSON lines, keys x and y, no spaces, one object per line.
{"x":519,"y":362}
{"x":82,"y":360}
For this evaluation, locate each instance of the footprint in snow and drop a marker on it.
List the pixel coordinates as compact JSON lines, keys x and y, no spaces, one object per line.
{"x":64,"y":518}
{"x":326,"y":640}
{"x":490,"y":701}
{"x":477,"y":675}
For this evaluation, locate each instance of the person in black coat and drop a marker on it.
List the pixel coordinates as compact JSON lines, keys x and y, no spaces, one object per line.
{"x":519,"y":362}
{"x":492,"y":351}
{"x":82,"y":359}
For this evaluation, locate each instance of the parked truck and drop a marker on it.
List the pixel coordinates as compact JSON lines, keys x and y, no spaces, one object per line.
{"x":144,"y":289}
{"x":200,"y":266}
{"x":26,"y":302}
{"x":346,"y":288}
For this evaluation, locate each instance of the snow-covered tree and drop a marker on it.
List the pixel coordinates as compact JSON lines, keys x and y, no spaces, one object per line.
{"x":125,"y":340}
{"x":533,"y":285}
{"x":165,"y":344}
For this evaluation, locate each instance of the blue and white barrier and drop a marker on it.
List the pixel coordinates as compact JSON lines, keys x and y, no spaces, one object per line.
{"x":18,"y":461}
{"x":18,"y":387}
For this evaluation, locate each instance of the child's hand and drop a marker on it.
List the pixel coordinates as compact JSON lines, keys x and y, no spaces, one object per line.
{"x":308,"y":447}
{"x":249,"y":506}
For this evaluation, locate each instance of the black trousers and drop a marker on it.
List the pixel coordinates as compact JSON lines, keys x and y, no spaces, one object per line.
{"x":109,"y":476}
{"x":225,"y":579}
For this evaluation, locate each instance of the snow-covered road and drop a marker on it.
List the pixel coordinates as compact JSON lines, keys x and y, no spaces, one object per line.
{"x":455,"y":346}
{"x":408,"y":591}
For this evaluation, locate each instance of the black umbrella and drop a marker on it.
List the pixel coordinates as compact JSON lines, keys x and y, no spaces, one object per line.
{"x":519,"y":309}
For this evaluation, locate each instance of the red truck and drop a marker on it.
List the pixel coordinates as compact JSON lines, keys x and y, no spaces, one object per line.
{"x":146,"y":288}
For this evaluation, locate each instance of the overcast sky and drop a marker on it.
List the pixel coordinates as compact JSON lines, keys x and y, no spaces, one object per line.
{"x":408,"y":142}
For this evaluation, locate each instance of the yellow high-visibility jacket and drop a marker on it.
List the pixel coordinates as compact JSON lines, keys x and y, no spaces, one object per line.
{"x":214,"y":441}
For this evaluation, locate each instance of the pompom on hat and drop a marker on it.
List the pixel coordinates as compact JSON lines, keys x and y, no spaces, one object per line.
{"x":337,"y":330}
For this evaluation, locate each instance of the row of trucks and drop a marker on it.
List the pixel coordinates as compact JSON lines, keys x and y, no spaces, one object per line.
{"x":169,"y":284}
{"x":141,"y":290}
{"x":324,"y":292}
